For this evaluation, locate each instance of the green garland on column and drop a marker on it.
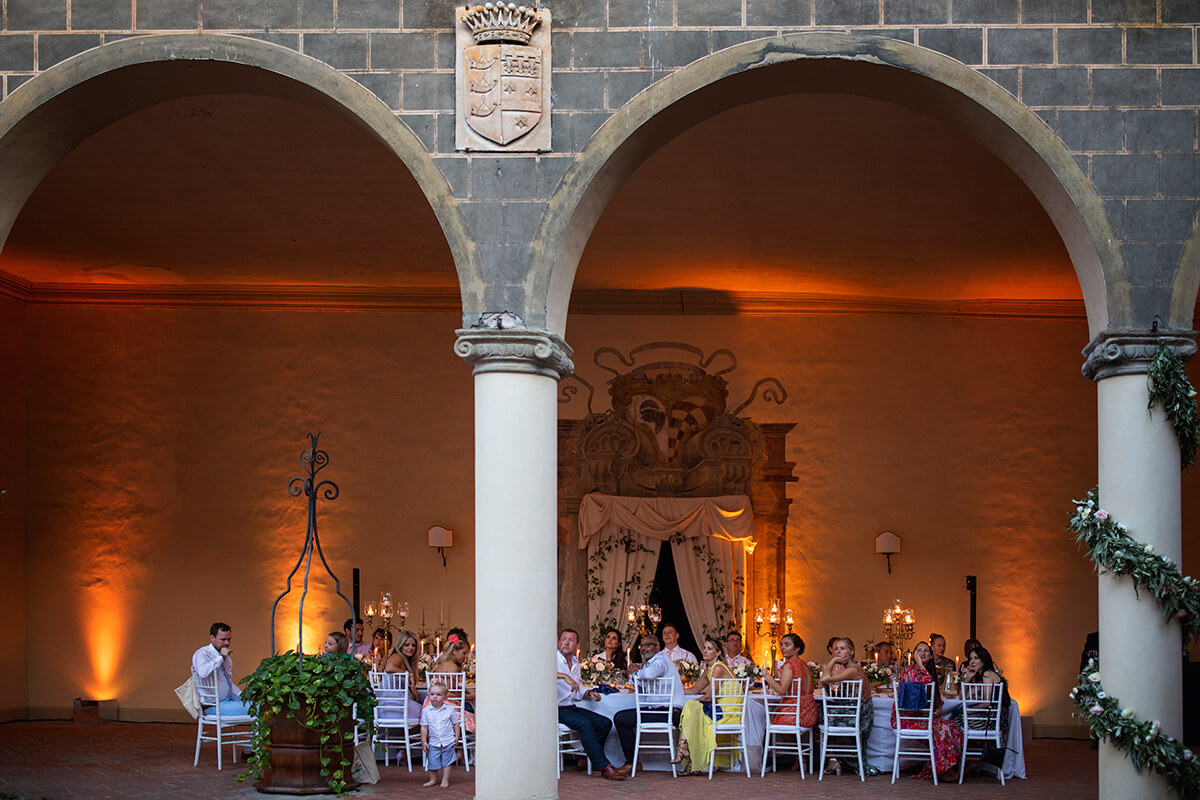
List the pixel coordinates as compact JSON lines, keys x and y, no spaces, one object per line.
{"x":1113,"y":550}
{"x":1170,"y":387}
{"x":1143,"y":742}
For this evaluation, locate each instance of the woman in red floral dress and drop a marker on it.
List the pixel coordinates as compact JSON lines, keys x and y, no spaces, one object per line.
{"x":947,"y":736}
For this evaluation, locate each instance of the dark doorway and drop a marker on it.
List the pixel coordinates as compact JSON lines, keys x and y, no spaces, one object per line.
{"x":666,"y":596}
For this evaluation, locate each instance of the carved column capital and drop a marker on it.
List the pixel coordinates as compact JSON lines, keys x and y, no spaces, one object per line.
{"x":514,"y":350}
{"x":1130,"y":352}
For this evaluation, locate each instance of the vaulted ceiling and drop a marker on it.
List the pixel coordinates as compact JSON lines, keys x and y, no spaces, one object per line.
{"x":798,"y":196}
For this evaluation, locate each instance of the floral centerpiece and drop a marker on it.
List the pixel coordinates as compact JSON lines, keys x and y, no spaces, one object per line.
{"x":814,"y":669}
{"x":747,"y":671}
{"x":424,"y":664}
{"x":321,"y":698}
{"x":596,"y":671}
{"x":689,"y":671}
{"x":878,"y":673}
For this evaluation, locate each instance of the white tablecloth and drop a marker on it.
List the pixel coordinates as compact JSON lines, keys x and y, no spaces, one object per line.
{"x":881,"y":746}
{"x":610,"y":704}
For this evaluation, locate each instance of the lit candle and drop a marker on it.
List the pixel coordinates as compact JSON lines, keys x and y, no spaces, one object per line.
{"x":956,"y":663}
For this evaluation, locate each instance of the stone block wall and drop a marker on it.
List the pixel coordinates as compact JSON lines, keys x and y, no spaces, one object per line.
{"x":1117,"y":80}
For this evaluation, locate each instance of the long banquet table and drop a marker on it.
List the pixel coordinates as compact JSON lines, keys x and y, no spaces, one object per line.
{"x":881,"y":745}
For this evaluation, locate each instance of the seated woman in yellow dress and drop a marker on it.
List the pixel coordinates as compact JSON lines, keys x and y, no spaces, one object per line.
{"x":697,"y":739}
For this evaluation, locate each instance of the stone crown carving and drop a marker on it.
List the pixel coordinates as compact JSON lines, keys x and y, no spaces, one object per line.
{"x":501,"y":23}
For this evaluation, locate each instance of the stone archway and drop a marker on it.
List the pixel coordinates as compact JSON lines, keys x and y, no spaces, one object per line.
{"x":821,"y":62}
{"x":55,"y":111}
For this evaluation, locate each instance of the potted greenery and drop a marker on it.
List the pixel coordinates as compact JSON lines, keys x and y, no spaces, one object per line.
{"x":302,"y":739}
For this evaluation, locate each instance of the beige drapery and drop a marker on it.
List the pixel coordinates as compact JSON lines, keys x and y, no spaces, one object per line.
{"x":714,"y":536}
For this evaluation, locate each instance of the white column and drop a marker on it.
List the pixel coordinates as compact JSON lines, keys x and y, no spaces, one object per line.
{"x":516,"y":556}
{"x":1140,"y":655}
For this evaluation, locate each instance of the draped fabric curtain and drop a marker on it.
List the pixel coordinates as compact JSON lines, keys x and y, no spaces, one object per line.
{"x":709,"y":537}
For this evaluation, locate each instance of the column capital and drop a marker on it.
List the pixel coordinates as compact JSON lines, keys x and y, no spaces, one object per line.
{"x":531,"y":352}
{"x":1122,"y":352}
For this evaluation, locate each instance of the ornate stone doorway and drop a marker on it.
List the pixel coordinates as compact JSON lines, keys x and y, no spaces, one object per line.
{"x":670,"y":433}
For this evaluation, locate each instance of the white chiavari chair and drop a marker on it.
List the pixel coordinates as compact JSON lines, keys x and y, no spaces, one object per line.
{"x":842,"y":707}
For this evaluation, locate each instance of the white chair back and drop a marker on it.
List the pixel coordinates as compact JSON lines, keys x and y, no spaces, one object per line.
{"x":841,"y":703}
{"x":793,"y":733}
{"x":915,"y":723}
{"x":914,"y":728}
{"x":842,"y":707}
{"x":652,"y":702}
{"x":981,"y":709}
{"x":206,"y":690}
{"x":982,"y":705}
{"x":391,"y":690}
{"x":729,"y":701}
{"x":224,"y":729}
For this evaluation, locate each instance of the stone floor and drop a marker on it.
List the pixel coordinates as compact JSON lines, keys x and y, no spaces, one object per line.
{"x":126,"y":761}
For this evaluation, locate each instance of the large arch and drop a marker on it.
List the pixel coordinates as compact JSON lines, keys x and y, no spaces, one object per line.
{"x":870,"y":66}
{"x":58,"y":109}
{"x":1187,"y":284}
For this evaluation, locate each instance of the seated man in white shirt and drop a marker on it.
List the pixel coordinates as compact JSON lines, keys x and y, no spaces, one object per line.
{"x":670,"y":638}
{"x":656,"y":664}
{"x":733,"y":650}
{"x":215,"y":657}
{"x":593,"y":728}
{"x":359,"y":648}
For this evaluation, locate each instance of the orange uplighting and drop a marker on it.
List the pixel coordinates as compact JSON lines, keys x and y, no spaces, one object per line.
{"x":105,"y":630}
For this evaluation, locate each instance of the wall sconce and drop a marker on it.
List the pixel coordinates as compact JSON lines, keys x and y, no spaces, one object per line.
{"x":441,"y":538}
{"x":887,"y":544}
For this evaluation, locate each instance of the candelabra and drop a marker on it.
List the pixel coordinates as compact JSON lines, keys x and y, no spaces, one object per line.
{"x":773,"y":624}
{"x":386,"y":611}
{"x":898,"y":624}
{"x":645,"y":616}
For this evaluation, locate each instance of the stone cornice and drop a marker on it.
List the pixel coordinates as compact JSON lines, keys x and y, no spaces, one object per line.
{"x":1130,"y":352}
{"x":514,"y":350}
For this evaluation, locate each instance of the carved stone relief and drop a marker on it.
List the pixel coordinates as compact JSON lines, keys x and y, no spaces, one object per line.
{"x":502,"y":78}
{"x":670,"y":433}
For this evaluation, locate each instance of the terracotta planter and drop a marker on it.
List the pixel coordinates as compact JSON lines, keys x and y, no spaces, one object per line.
{"x":296,"y":758}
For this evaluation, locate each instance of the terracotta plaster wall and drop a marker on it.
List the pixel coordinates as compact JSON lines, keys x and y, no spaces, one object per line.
{"x":13,"y":429}
{"x":165,"y":440}
{"x":968,"y":438}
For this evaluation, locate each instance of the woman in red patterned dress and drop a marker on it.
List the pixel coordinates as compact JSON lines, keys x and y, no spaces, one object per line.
{"x":947,"y":736}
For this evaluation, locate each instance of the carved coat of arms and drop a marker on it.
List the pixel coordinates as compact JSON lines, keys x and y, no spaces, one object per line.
{"x":504,"y":90}
{"x":503,"y":78}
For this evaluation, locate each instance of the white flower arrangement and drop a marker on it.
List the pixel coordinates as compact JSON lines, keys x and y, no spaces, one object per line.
{"x":746,"y":671}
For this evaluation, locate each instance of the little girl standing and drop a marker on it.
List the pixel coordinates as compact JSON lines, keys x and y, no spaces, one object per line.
{"x":439,"y":732}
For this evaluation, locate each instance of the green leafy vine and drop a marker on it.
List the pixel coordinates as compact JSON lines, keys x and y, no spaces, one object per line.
{"x":613,"y":616}
{"x":1143,"y":742}
{"x":322,"y":697}
{"x":1170,"y":388}
{"x":1112,"y":549}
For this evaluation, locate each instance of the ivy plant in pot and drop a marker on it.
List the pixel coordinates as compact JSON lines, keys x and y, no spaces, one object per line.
{"x":302,"y":739}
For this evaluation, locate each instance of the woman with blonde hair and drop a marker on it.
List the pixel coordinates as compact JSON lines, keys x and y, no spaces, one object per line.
{"x":843,"y":667}
{"x":697,"y":739}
